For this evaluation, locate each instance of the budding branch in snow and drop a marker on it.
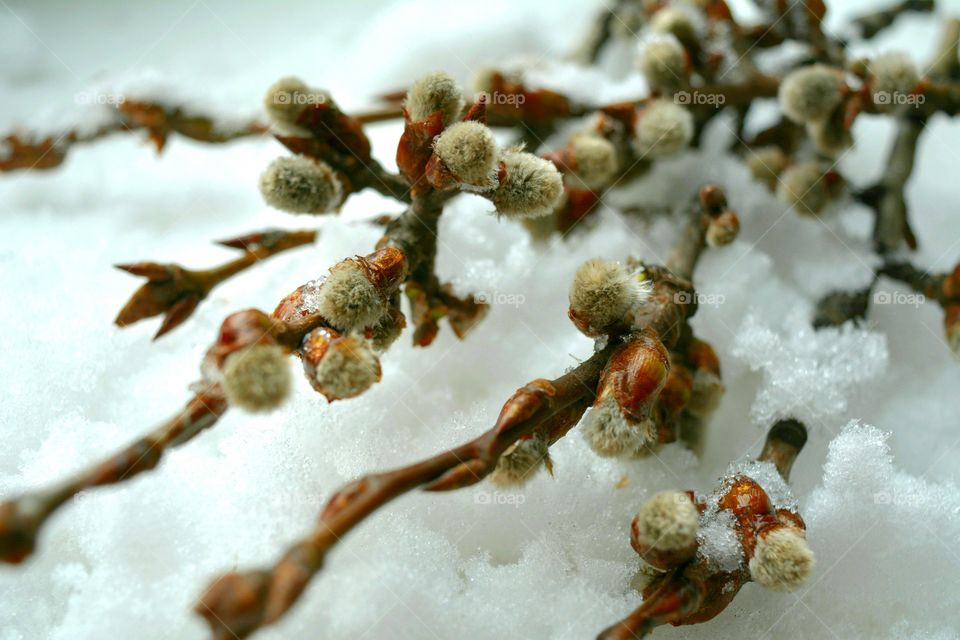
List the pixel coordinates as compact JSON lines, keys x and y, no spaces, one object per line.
{"x":650,"y":380}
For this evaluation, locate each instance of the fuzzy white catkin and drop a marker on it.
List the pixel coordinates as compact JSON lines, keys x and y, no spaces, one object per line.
{"x":782,"y":559}
{"x":766,"y":163}
{"x":893,"y":76}
{"x":608,"y":432}
{"x":706,"y":395}
{"x":810,"y":93}
{"x":531,"y":186}
{"x":434,"y":92}
{"x":802,"y":186}
{"x":595,"y":159}
{"x":297,"y":184}
{"x":829,"y":136}
{"x":520,"y":463}
{"x":347,"y":298}
{"x":663,"y":128}
{"x":469,"y":152}
{"x":668,"y":521}
{"x":603,"y":292}
{"x":453,"y":561}
{"x":257,"y":378}
{"x":663,"y":62}
{"x":348,"y":368}
{"x":286,"y":99}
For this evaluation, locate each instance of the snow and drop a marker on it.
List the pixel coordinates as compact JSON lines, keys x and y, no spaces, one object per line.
{"x":553,"y":561}
{"x":808,"y":374}
{"x":717,"y":540}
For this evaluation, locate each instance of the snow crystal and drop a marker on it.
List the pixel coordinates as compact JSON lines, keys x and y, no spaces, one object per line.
{"x":717,"y":540}
{"x":309,"y":302}
{"x":808,"y":374}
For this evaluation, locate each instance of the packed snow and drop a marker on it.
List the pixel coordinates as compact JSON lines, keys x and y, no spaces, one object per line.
{"x":550,"y":561}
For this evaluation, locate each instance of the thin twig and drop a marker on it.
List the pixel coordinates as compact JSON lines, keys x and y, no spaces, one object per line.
{"x":176,"y":292}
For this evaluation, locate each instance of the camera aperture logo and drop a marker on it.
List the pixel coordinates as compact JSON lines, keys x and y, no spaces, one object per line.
{"x":99,"y":97}
{"x":500,"y":298}
{"x":498,"y":498}
{"x":698,"y":98}
{"x":700,"y":299}
{"x":894,"y":498}
{"x":899,"y":298}
{"x":299,"y":97}
{"x":499,"y":98}
{"x":898,"y":99}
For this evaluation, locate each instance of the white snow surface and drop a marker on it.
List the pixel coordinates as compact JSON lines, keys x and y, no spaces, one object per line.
{"x":554,"y":561}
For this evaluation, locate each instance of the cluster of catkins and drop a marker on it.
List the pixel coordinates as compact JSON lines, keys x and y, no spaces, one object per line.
{"x":699,"y":550}
{"x":465,"y":155}
{"x":825,"y":100}
{"x":445,"y":149}
{"x":648,"y":394}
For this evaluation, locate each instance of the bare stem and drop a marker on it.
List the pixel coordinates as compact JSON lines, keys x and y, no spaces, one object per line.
{"x":34,"y":152}
{"x":21,"y":518}
{"x":872,"y":23}
{"x":175,"y":292}
{"x":892,"y":227}
{"x":237,"y":604}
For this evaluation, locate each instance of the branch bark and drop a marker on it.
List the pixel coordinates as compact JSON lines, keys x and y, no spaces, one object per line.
{"x":21,"y":518}
{"x":175,"y":292}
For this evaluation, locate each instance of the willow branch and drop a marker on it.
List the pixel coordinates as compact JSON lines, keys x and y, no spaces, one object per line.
{"x":940,"y":287}
{"x":20,"y":151}
{"x":946,"y":64}
{"x":892,"y":226}
{"x":687,"y":589}
{"x":237,"y":604}
{"x":837,"y":307}
{"x":872,"y":23}
{"x":21,"y":518}
{"x":175,"y":292}
{"x":159,"y":121}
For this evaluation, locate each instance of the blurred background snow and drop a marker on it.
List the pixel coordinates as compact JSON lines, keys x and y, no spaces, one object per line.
{"x":553,"y":562}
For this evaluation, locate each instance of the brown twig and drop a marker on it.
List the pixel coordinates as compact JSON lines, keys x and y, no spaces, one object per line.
{"x":159,"y":121}
{"x":689,"y":590}
{"x":892,"y":227}
{"x":837,"y":307}
{"x":32,"y":152}
{"x":887,"y":197}
{"x":238,"y":603}
{"x":405,"y":252}
{"x":942,"y":288}
{"x":175,"y":292}
{"x":870,"y":24}
{"x":21,"y":518}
